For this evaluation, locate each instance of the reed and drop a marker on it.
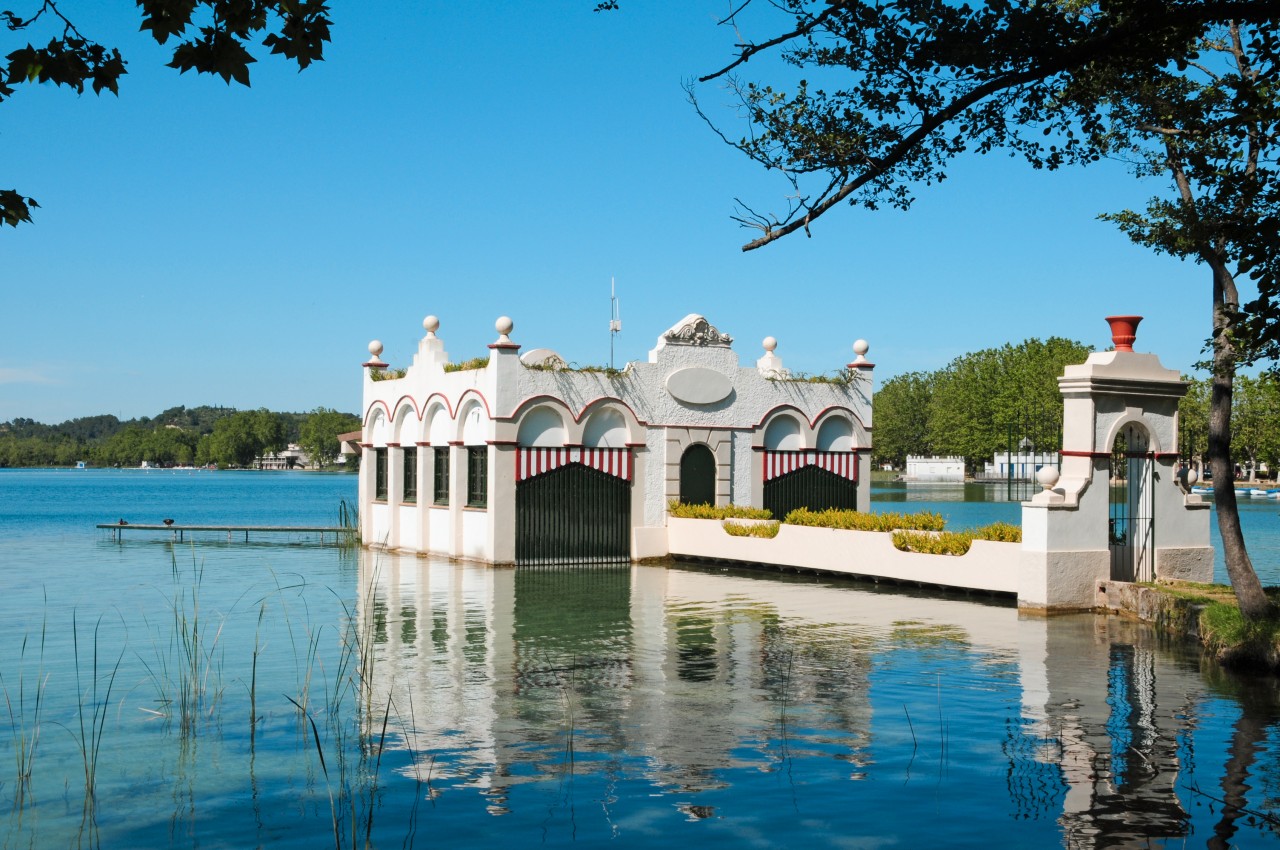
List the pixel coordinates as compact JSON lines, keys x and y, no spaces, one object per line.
{"x":195,"y":650}
{"x":92,"y":723}
{"x":25,"y":728}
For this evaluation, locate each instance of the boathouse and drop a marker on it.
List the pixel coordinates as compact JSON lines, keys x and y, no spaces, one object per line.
{"x":522,"y":458}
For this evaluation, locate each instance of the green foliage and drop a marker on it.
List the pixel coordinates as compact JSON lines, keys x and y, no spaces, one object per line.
{"x":684,"y":511}
{"x":591,"y":369}
{"x":211,"y":37}
{"x":858,"y":521}
{"x":318,"y":436}
{"x":1238,"y":641}
{"x":843,"y":378}
{"x":387,"y":374}
{"x":467,"y":365}
{"x":954,"y":542}
{"x":902,"y":408}
{"x":766,"y":530}
{"x":178,"y":436}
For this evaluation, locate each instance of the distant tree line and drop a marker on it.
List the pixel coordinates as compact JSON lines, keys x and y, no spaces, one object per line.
{"x":178,"y":436}
{"x":972,"y":406}
{"x":1255,"y":423}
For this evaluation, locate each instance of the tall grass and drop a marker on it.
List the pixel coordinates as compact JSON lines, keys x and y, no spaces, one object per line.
{"x":93,"y":722}
{"x":25,"y":727}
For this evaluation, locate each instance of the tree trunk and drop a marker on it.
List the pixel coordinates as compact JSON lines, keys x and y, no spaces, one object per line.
{"x":1244,"y":580}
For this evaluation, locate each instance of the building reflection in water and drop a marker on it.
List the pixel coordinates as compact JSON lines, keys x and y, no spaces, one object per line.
{"x":678,"y":677}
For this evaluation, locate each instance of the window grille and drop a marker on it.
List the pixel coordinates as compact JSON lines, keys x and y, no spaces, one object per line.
{"x":380,"y":475}
{"x":409,"y":490}
{"x":477,"y":476}
{"x":440,"y":494}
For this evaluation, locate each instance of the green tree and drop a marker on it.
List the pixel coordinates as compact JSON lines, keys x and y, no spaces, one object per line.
{"x":902,"y":418}
{"x":980,"y":396}
{"x":318,"y":435}
{"x":208,"y":36}
{"x":1188,"y":91}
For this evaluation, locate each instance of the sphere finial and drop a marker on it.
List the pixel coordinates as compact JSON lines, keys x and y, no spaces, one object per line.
{"x":431,"y":324}
{"x":1048,"y":476}
{"x":504,"y":326}
{"x":769,"y":344}
{"x":860,"y":348}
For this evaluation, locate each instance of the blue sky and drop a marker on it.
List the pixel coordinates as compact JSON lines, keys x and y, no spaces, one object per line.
{"x":205,"y":244}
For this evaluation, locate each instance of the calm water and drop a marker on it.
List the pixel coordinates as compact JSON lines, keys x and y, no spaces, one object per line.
{"x":456,"y":705}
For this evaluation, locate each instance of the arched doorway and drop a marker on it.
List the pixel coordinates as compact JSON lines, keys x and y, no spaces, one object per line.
{"x":1130,"y":524}
{"x":698,"y":476}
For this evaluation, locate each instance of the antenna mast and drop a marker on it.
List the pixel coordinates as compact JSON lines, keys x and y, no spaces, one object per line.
{"x":615,"y":318}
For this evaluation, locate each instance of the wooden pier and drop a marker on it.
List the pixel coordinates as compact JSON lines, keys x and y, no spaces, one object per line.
{"x":179,"y":531}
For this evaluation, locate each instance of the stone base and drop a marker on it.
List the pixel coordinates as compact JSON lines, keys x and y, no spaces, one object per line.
{"x":1189,"y":563}
{"x":1059,"y":582}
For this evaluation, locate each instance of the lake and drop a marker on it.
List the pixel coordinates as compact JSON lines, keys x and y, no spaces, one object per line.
{"x":281,"y":693}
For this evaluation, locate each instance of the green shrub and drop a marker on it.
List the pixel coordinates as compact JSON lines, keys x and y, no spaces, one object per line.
{"x":1000,"y":532}
{"x":858,"y":521}
{"x":954,"y":542}
{"x":467,"y":365}
{"x":682,"y":511}
{"x":767,"y":530}
{"x":387,"y":374}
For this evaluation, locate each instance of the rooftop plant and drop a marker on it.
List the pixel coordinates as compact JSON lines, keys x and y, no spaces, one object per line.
{"x":467,"y":365}
{"x":387,"y":374}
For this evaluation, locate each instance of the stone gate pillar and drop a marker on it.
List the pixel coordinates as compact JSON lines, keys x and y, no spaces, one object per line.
{"x":1066,"y":529}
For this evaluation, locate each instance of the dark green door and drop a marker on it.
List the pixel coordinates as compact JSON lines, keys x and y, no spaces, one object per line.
{"x":573,"y":515}
{"x":809,"y":487}
{"x":698,"y":476}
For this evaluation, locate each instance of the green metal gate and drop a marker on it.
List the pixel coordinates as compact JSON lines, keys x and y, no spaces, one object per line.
{"x":573,"y":515}
{"x":1131,"y":525}
{"x":809,"y":478}
{"x":809,"y":487}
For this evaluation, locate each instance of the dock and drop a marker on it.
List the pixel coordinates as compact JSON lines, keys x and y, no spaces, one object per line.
{"x":180,"y":531}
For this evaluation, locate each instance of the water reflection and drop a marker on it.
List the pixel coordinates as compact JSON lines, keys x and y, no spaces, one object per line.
{"x":642,"y":681}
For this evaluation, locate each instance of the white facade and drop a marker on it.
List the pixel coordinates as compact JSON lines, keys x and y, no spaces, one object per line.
{"x":935,"y":468}
{"x":1068,"y":530}
{"x":515,"y":416}
{"x":1021,"y":465}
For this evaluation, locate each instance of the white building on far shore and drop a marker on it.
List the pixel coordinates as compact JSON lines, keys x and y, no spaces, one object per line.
{"x":921,"y":468}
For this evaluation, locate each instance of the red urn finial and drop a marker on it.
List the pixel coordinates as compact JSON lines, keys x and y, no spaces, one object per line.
{"x":1124,"y":330}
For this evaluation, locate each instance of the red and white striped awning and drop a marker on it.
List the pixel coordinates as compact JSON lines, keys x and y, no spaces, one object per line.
{"x":844,"y":464}
{"x":535,"y":461}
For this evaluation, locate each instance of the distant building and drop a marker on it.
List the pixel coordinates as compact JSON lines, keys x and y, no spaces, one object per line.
{"x":292,"y":457}
{"x":921,"y":468}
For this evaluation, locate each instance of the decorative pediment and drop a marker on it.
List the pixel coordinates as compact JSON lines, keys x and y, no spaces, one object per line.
{"x":696,"y":330}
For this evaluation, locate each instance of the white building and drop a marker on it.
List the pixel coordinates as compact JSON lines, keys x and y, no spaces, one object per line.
{"x":921,"y":468}
{"x":522,"y":459}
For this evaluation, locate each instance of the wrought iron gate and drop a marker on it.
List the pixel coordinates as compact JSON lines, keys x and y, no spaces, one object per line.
{"x":1034,"y":441}
{"x":1130,"y":523}
{"x":810,"y":479}
{"x":573,"y":515}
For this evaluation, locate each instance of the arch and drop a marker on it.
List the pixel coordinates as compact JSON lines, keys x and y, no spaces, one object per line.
{"x":439,"y":424}
{"x":542,"y":426}
{"x":407,"y":423}
{"x":1130,"y":514}
{"x":835,"y":434}
{"x":378,"y":426}
{"x":1131,"y":420}
{"x":783,"y":433}
{"x":606,"y":428}
{"x":698,"y":475}
{"x":473,"y":424}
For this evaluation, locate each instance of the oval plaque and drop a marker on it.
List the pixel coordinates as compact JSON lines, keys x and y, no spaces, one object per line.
{"x":698,"y":385}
